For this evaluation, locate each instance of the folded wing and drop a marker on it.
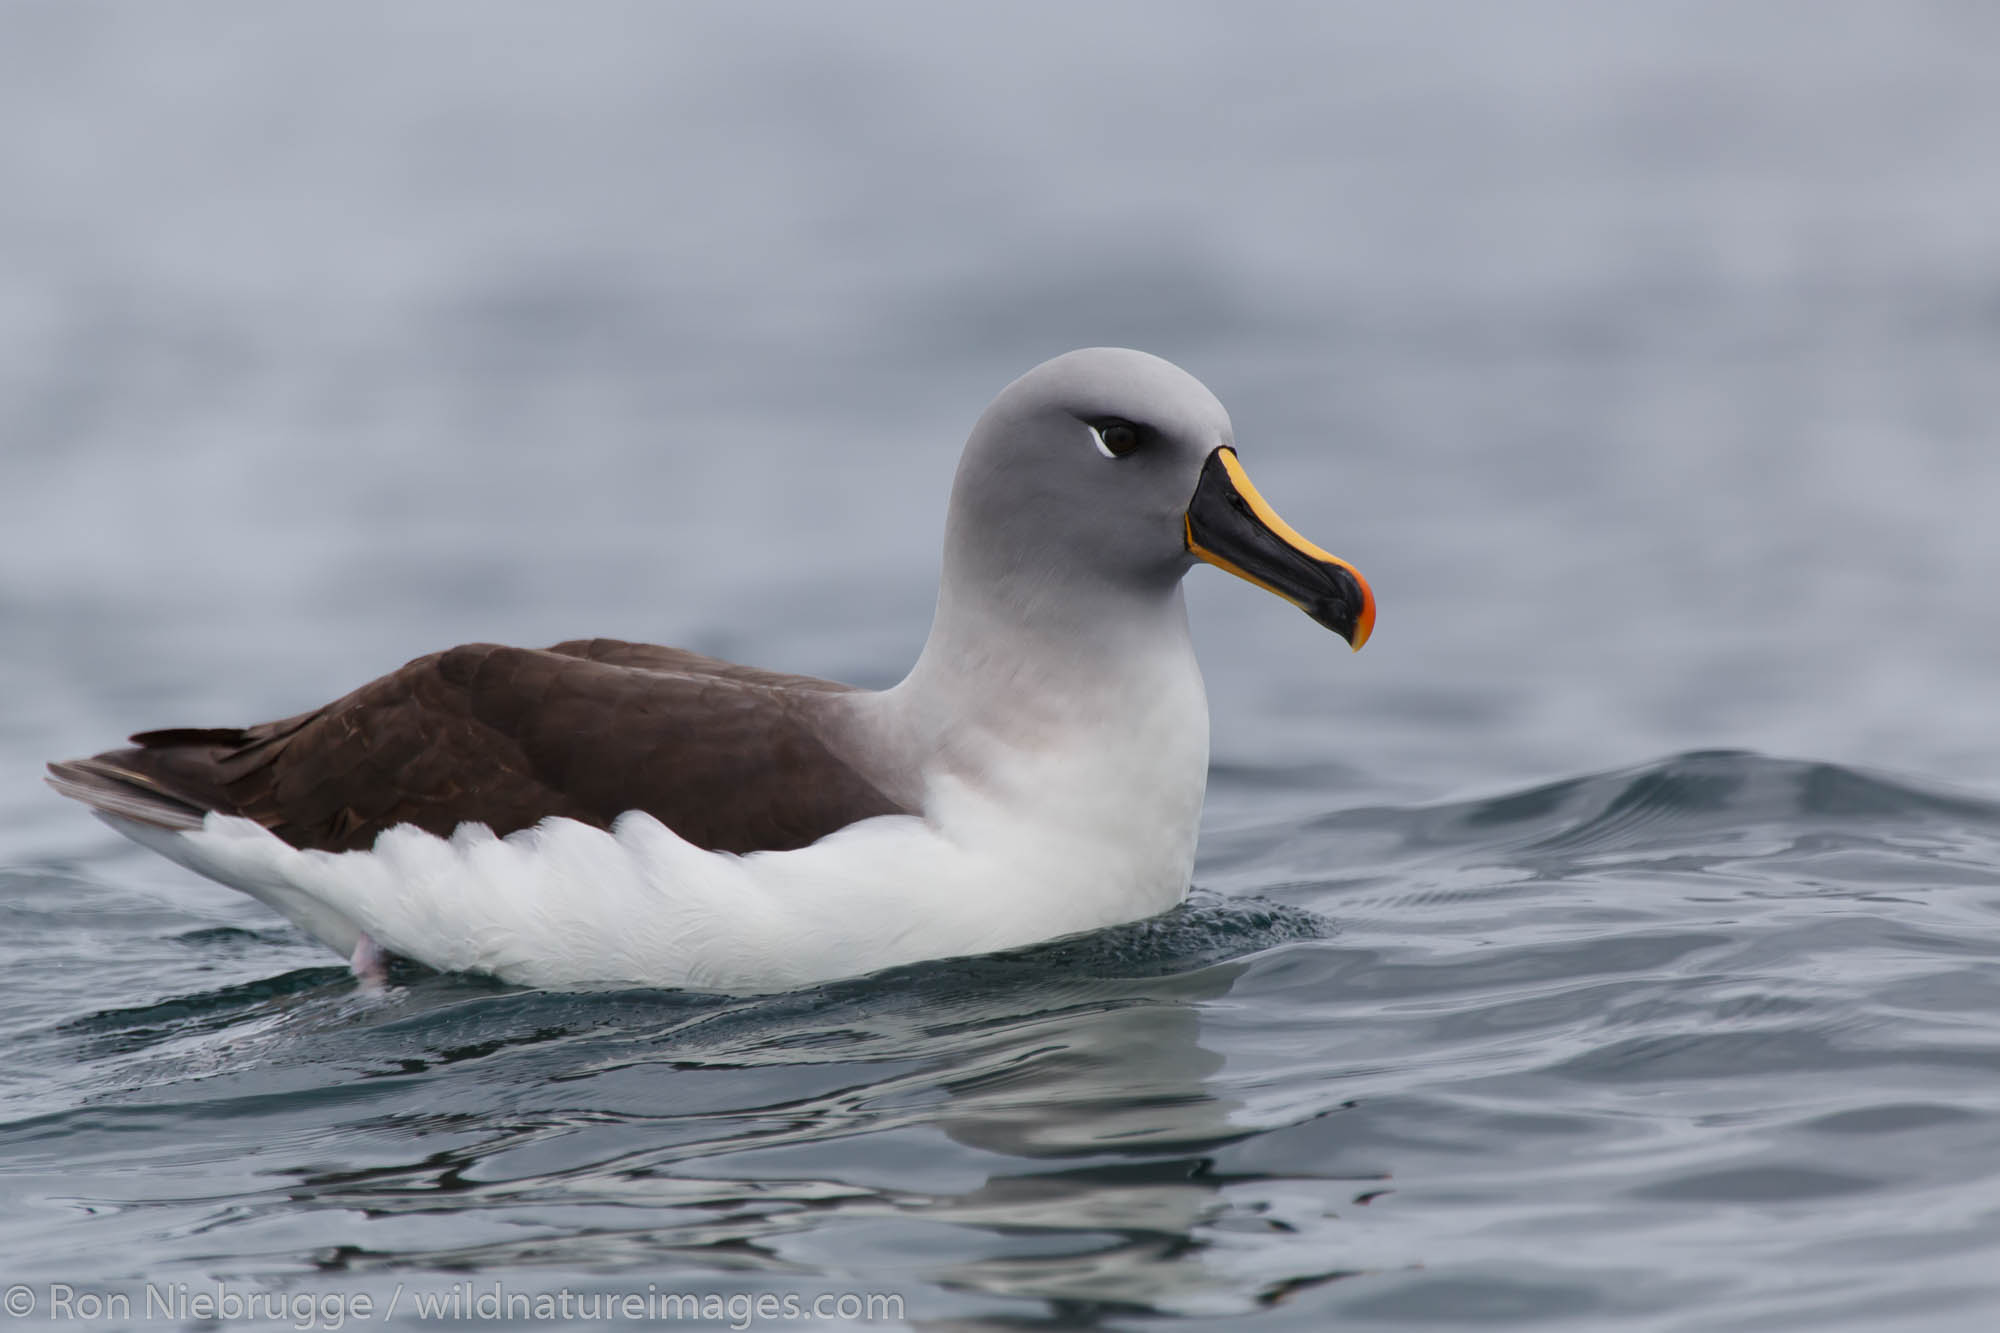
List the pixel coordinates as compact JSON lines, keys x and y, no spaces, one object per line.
{"x":729,"y":757}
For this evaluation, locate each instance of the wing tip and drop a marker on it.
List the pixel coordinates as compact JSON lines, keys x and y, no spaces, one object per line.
{"x":164,"y":737}
{"x":110,"y":790}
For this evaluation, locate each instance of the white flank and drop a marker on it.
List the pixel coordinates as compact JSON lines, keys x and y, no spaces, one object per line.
{"x":1036,"y":848}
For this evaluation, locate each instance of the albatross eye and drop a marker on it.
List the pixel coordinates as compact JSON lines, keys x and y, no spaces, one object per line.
{"x":1115,"y":439}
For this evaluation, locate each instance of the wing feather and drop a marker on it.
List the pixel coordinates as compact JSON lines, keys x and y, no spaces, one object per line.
{"x":731,"y":758}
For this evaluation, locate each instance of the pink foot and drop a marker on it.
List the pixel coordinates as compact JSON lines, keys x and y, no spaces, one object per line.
{"x":370,"y":962}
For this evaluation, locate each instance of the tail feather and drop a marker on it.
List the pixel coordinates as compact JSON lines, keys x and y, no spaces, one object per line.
{"x":115,"y":790}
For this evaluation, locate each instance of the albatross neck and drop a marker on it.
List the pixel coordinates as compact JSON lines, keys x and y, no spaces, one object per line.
{"x":1019,"y":650}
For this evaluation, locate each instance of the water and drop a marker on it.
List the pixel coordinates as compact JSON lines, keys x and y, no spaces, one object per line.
{"x":1610,"y":945}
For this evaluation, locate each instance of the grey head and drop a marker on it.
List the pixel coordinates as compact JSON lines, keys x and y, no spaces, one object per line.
{"x":1106,"y":474}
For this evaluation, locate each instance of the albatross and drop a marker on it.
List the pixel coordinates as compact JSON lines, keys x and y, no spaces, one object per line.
{"x":603,"y":811}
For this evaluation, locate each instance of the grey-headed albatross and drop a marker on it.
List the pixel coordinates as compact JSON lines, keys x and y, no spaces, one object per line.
{"x":615,"y":812}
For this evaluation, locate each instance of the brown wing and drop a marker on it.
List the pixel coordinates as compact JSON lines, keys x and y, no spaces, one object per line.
{"x":681,"y":662}
{"x":729,"y":757}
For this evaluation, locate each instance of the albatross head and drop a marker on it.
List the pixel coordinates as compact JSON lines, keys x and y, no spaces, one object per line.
{"x":1111,"y":469}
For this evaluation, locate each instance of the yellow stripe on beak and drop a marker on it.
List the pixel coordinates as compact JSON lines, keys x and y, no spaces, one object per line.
{"x":1258,"y":517}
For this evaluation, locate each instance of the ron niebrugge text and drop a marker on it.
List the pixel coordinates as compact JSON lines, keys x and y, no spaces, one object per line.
{"x":469,"y":1300}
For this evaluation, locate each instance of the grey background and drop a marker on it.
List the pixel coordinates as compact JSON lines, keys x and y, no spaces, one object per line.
{"x":1641,"y":355}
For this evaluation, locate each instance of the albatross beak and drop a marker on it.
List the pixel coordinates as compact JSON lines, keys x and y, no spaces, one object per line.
{"x":1232,"y":527}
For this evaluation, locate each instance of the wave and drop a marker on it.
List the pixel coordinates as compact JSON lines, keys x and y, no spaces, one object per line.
{"x":1700,"y":798}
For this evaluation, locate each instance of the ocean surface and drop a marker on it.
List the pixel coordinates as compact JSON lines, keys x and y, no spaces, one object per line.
{"x":1614,"y":944}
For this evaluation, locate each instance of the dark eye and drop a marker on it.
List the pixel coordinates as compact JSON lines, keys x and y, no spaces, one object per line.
{"x":1115,"y":439}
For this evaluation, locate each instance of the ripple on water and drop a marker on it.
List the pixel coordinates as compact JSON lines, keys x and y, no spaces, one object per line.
{"x":1666,"y":1010}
